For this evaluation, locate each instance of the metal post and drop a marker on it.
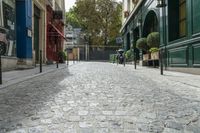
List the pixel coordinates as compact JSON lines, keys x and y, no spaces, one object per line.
{"x":40,"y":61}
{"x":67,"y":59}
{"x":135,"y":58}
{"x":161,"y":62}
{"x":35,"y":59}
{"x":0,"y":71}
{"x":57,"y":64}
{"x":73,"y":59}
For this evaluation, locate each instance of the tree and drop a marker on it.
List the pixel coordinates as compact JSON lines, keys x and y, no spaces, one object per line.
{"x":72,"y":19}
{"x":100,"y":19}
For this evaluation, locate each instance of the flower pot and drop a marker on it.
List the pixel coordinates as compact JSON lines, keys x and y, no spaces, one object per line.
{"x":146,"y":57}
{"x":155,"y":55}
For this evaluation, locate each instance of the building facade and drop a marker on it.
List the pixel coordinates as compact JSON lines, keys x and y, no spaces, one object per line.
{"x":16,"y":13}
{"x":28,"y":27}
{"x":55,"y":29}
{"x":39,"y":30}
{"x":177,"y":23}
{"x":74,"y":44}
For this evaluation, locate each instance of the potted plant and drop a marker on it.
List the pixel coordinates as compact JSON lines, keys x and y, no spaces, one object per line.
{"x":154,"y":53}
{"x":129,"y":55}
{"x":142,"y":44}
{"x":62,"y":56}
{"x":153,"y":41}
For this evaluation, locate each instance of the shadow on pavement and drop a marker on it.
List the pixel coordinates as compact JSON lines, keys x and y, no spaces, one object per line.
{"x":23,"y":104}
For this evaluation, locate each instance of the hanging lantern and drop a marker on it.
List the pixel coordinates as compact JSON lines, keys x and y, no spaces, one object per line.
{"x":161,"y":3}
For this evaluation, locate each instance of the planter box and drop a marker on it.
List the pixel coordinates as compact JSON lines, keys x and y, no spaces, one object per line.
{"x":155,"y":55}
{"x":146,"y":57}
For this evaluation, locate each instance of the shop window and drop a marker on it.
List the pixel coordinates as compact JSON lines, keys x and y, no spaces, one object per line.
{"x":177,"y":19}
{"x":8,"y":22}
{"x":195,"y":16}
{"x":182,"y":18}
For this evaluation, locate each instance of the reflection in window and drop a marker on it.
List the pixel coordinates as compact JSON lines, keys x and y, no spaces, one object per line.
{"x":177,"y":19}
{"x":8,"y":11}
{"x":182,"y":18}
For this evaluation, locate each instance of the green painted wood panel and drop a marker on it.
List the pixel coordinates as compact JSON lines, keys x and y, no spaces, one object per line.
{"x":196,"y":54}
{"x":196,"y":16}
{"x":178,"y":57}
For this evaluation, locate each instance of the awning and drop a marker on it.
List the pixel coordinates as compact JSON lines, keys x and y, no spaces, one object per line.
{"x":58,"y":31}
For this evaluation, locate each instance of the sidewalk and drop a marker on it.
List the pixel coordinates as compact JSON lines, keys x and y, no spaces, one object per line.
{"x":16,"y":76}
{"x":176,"y":77}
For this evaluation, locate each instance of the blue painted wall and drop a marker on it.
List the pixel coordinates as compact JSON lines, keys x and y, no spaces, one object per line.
{"x":23,"y":23}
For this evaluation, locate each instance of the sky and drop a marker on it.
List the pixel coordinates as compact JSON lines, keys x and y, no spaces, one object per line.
{"x":70,"y":3}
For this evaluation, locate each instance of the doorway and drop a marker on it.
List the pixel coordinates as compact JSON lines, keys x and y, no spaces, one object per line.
{"x":36,"y":32}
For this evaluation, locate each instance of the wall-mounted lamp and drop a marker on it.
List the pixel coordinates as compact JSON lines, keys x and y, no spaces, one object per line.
{"x":161,"y":3}
{"x":139,"y":22}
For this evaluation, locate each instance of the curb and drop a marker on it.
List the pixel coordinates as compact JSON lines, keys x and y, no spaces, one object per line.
{"x":15,"y":81}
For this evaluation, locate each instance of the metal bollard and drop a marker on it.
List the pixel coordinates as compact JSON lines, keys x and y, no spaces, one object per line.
{"x":0,"y":71}
{"x":161,"y":62}
{"x":135,"y":61}
{"x":40,"y":61}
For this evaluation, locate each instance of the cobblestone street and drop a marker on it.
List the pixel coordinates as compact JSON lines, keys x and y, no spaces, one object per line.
{"x":91,"y":97}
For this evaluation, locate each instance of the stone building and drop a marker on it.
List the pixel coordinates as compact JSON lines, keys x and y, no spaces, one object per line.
{"x":177,"y":23}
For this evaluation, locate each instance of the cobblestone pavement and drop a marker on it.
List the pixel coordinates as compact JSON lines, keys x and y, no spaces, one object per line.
{"x":101,"y":98}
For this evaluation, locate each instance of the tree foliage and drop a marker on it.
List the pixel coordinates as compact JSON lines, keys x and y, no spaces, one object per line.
{"x":100,"y":19}
{"x":72,"y":18}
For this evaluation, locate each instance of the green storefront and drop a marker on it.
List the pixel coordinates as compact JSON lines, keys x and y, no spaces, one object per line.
{"x":179,"y":28}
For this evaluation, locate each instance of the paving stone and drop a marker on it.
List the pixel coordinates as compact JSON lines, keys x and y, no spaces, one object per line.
{"x":169,"y":130}
{"x":83,"y":112}
{"x":94,"y":97}
{"x":107,"y":112}
{"x":85,"y":124}
{"x":86,"y":130}
{"x":38,"y":129}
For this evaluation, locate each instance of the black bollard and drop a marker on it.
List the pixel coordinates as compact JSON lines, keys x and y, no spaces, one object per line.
{"x":135,"y":61}
{"x":0,"y":71}
{"x":161,"y":62}
{"x":40,"y":61}
{"x":67,"y":59}
{"x":73,"y":59}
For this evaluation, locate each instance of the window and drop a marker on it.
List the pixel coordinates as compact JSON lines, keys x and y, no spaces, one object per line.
{"x":1,"y":14}
{"x":177,"y":19}
{"x":8,"y":15}
{"x":182,"y":18}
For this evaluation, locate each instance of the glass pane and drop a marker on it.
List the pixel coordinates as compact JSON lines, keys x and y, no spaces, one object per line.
{"x":182,"y":11}
{"x":181,"y":1}
{"x":9,"y":24}
{"x":182,"y":28}
{"x":1,"y":16}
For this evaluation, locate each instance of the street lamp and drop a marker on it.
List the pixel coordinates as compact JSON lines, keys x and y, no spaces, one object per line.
{"x":139,"y":22}
{"x":162,"y":4}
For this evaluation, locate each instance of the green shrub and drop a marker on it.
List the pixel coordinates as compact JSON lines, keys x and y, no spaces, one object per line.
{"x":142,"y":44}
{"x":153,"y":40}
{"x":113,"y":58}
{"x":153,"y":50}
{"x":62,"y":56}
{"x":129,"y":55}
